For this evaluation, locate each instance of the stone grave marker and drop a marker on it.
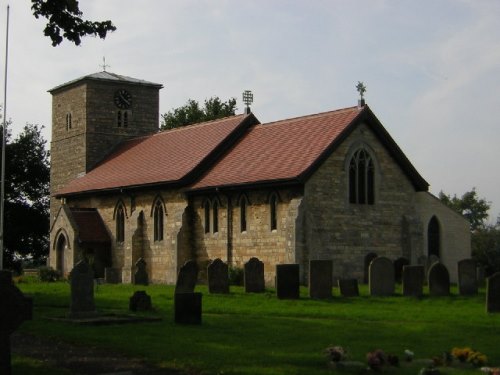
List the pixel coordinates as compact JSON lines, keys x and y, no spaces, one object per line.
{"x":218,"y":277}
{"x":320,"y":279}
{"x":254,"y":276}
{"x":82,"y":290}
{"x":287,"y":281}
{"x":431,"y":259}
{"x":140,"y":301}
{"x":112,"y":275}
{"x":467,"y":278}
{"x":439,"y":280}
{"x":493,"y":293}
{"x":381,"y":277}
{"x":187,"y":308}
{"x":15,"y":309}
{"x":187,"y":278}
{"x":348,"y":287}
{"x":141,"y":275}
{"x":368,"y":259}
{"x":398,"y":268}
{"x":413,"y":281}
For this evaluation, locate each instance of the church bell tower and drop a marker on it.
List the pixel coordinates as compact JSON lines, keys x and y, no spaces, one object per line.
{"x":90,"y":116}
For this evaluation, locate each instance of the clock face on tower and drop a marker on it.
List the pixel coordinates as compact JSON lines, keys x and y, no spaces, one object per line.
{"x":123,"y":99}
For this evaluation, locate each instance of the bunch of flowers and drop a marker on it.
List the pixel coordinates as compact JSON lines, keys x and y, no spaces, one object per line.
{"x":376,"y":359}
{"x":491,"y":370}
{"x":469,"y":355}
{"x":336,"y":353}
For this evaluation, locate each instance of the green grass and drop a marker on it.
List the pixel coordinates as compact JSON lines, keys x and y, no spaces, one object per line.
{"x":257,"y":333}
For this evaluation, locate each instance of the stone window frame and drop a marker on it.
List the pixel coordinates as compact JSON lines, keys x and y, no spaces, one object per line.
{"x":434,"y":236}
{"x":120,"y":215}
{"x":371,"y":183}
{"x":69,"y":121}
{"x":243,"y":203}
{"x":273,"y":201}
{"x":158,"y":212}
{"x":123,"y":117}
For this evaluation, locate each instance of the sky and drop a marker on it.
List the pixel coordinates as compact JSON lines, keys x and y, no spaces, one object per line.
{"x":431,"y":68}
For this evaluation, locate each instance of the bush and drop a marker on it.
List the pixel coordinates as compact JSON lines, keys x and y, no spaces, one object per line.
{"x":236,"y":276}
{"x":49,"y":274}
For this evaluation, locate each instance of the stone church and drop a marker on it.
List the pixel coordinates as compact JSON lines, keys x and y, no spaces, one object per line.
{"x":332,"y":185}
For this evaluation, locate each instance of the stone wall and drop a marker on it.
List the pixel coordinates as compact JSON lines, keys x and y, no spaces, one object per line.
{"x":455,"y":241}
{"x":344,"y":232}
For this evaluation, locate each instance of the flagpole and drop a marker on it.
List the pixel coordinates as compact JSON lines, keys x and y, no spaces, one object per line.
{"x":4,"y":135}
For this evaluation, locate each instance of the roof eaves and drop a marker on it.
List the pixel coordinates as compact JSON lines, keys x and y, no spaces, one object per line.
{"x":246,"y":185}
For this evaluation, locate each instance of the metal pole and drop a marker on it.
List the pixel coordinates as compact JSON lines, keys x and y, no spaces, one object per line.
{"x":4,"y":135}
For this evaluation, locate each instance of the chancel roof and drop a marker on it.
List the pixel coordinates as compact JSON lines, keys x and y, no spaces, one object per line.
{"x":250,"y":153}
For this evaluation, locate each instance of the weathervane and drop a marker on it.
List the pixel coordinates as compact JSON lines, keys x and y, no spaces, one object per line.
{"x":361,"y":89}
{"x":247,"y":99}
{"x":104,"y":65}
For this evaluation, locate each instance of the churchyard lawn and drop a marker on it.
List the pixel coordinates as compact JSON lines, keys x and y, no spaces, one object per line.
{"x":260,"y":334}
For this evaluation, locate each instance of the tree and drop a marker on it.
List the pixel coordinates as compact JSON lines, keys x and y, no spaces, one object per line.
{"x":65,"y":16}
{"x":27,"y":177}
{"x":191,"y":113}
{"x":474,"y":209}
{"x":485,"y":238}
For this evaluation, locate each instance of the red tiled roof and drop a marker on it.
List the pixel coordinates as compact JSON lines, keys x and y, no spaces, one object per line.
{"x":91,"y":228}
{"x":278,"y":151}
{"x":165,"y":157}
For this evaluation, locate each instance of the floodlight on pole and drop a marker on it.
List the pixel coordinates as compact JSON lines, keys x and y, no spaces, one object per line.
{"x":247,"y":99}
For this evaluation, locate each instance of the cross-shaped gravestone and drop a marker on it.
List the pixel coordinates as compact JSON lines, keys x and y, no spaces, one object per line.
{"x":15,"y":309}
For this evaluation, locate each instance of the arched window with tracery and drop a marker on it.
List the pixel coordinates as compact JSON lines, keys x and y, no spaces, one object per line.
{"x":158,"y":221}
{"x":120,"y":223}
{"x":361,"y":178}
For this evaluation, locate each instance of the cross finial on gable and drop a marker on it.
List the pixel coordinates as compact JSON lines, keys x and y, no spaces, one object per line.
{"x":361,"y":89}
{"x":104,"y":65}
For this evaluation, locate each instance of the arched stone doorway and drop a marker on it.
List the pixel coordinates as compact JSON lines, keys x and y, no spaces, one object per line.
{"x":61,"y":246}
{"x":433,"y":237}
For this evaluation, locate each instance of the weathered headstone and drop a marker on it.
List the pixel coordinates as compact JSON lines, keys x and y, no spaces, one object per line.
{"x":254,"y":276}
{"x":493,"y":293}
{"x":82,"y":290}
{"x":187,"y":308}
{"x":398,"y":268}
{"x":368,"y":259}
{"x":320,"y":279}
{"x":413,"y":281}
{"x":141,"y":275}
{"x":439,"y":280}
{"x":218,"y":277}
{"x":112,"y":275}
{"x":287,"y":281}
{"x":15,"y":309}
{"x":381,"y":277}
{"x":186,"y":280}
{"x":431,"y":259}
{"x":467,"y":278}
{"x":348,"y":287}
{"x":140,"y":301}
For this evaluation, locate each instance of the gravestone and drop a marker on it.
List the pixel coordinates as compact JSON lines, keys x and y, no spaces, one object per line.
{"x":82,"y":290}
{"x":439,"y":280}
{"x":320,"y":279}
{"x":413,"y":281}
{"x":187,"y":308}
{"x":254,"y":276}
{"x":287,"y":281}
{"x":140,"y":301}
{"x":493,"y":293}
{"x":467,"y":278}
{"x":112,"y":275}
{"x":218,"y":277}
{"x":141,"y":275}
{"x":368,"y":259}
{"x":381,"y":277}
{"x":186,"y":280}
{"x":431,"y":259}
{"x":398,"y":268}
{"x":15,"y":309}
{"x":348,"y":287}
